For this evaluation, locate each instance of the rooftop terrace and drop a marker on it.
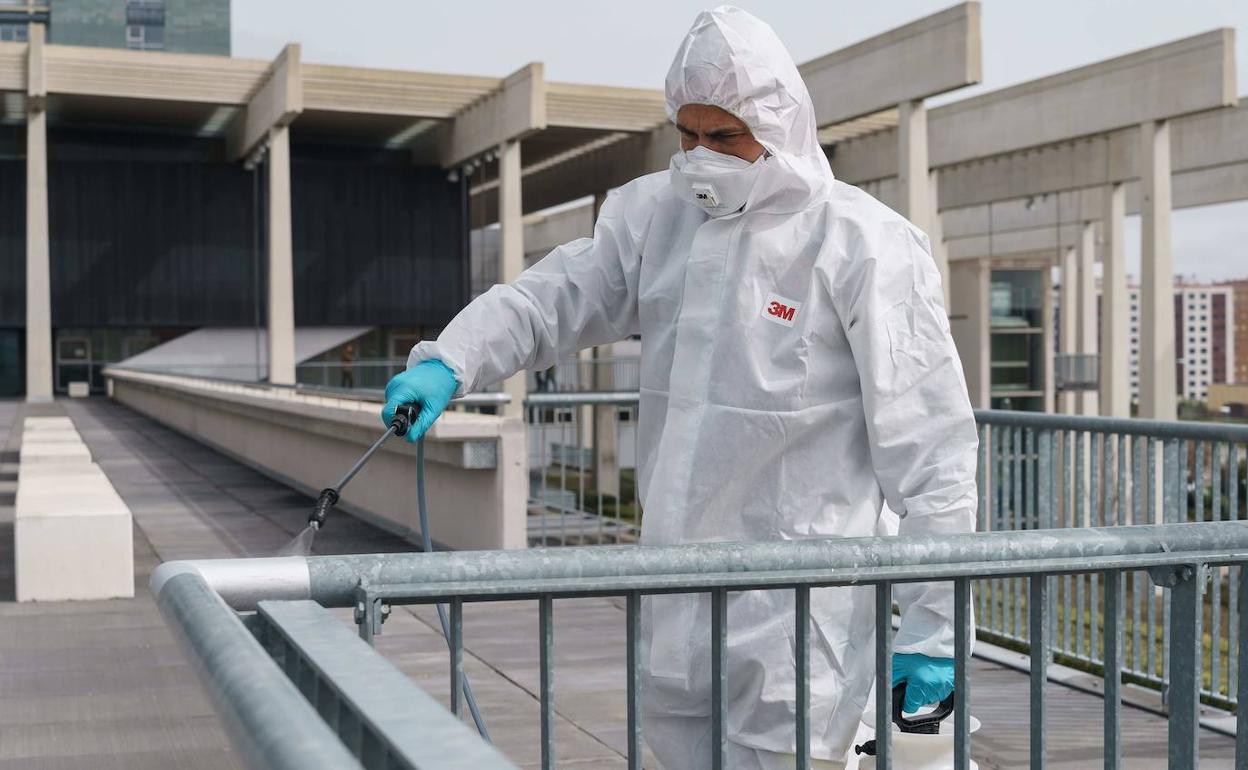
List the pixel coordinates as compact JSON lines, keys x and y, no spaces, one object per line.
{"x":101,"y":685}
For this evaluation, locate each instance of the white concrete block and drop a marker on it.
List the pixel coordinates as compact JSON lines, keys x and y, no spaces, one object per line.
{"x":79,"y":389}
{"x":54,"y":453}
{"x":84,"y":491}
{"x":48,"y":423}
{"x":73,"y":535}
{"x":74,"y":557}
{"x":50,"y":436}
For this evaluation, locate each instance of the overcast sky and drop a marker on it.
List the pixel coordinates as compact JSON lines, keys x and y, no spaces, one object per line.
{"x":631,"y":42}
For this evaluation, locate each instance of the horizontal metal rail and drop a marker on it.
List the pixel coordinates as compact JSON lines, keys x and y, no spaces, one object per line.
{"x":378,"y":713}
{"x":1129,"y":426}
{"x":269,"y":721}
{"x":298,"y":690}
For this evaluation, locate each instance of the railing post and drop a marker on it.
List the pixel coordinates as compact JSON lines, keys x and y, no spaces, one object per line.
{"x":1241,"y":712}
{"x":1186,"y":583}
{"x":457,"y":656}
{"x":884,"y":675}
{"x":801,"y":643}
{"x":1038,"y":608}
{"x":961,"y":676}
{"x":1114,"y":617}
{"x":546,"y":650}
{"x":719,"y":678}
{"x":633,"y":636}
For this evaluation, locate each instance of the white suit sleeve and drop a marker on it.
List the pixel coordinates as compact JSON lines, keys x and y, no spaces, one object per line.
{"x":919,"y":419}
{"x":583,"y":293}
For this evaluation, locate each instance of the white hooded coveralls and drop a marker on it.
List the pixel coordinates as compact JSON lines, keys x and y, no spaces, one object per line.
{"x":797,"y":371}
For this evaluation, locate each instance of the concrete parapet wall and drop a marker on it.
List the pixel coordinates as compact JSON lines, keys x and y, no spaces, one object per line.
{"x":476,"y":478}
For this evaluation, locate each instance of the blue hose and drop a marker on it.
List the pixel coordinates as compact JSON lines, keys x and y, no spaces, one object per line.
{"x":427,"y":543}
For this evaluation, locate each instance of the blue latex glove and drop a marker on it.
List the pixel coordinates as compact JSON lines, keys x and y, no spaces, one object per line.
{"x":928,"y":680}
{"x":431,"y":384}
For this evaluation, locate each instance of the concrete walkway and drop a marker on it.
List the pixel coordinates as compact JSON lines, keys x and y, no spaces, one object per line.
{"x":100,"y":685}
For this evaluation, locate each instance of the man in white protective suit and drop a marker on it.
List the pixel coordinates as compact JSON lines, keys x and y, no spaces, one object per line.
{"x":797,"y":372}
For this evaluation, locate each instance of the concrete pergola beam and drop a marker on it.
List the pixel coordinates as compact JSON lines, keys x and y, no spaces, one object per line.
{"x":276,"y":102}
{"x":1025,"y":140}
{"x":1209,"y":140}
{"x":930,"y":56}
{"x":511,"y":112}
{"x":607,"y":165}
{"x":1042,"y":226}
{"x":1167,"y":81}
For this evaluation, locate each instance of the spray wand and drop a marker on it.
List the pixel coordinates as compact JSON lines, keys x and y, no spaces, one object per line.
{"x":400,"y":424}
{"x":402,"y":421}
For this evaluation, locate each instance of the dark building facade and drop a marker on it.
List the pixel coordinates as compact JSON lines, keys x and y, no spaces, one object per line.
{"x":154,"y":235}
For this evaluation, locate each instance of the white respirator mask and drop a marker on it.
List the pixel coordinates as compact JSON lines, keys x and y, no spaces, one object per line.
{"x":716,"y":183}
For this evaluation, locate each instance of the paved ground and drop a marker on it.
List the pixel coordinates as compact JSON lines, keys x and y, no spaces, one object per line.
{"x":101,"y":685}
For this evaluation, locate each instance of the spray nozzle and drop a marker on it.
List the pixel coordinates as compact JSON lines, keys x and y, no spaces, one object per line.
{"x":327,"y":500}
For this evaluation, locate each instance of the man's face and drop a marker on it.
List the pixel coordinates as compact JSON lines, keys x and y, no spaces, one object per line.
{"x":716,"y":129}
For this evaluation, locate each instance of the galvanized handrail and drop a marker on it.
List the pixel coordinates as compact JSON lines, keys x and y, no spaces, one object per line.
{"x":1039,"y":471}
{"x":1176,"y":557}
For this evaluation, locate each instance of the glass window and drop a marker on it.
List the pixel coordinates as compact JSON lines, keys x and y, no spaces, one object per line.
{"x":145,"y":12}
{"x":1017,"y":298}
{"x":145,"y":25}
{"x":13,"y":33}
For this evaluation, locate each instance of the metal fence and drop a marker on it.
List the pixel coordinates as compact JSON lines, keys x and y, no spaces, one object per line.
{"x":582,"y":468}
{"x":1036,"y":471}
{"x":618,"y":373}
{"x":295,"y":685}
{"x":1041,"y":471}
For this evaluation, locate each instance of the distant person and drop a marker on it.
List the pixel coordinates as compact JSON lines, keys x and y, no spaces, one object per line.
{"x":797,"y":371}
{"x":545,"y":379}
{"x":347,"y":366}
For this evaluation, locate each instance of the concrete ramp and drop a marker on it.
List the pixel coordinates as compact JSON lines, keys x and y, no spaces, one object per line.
{"x":235,"y":354}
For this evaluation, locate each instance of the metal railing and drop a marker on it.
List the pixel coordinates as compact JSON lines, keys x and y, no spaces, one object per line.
{"x":619,"y":373}
{"x":383,"y":720}
{"x":1036,"y":471}
{"x":582,"y":468}
{"x":1040,"y":471}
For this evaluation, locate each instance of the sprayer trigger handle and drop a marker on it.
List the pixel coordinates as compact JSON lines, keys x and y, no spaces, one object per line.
{"x":404,"y":418}
{"x":926,"y":724}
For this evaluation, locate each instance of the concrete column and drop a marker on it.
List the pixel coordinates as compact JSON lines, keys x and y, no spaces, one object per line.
{"x":606,"y":437}
{"x":281,"y":330}
{"x":1115,"y":309}
{"x":1048,"y":350}
{"x":1068,"y":321}
{"x":970,"y":317}
{"x":585,"y":368}
{"x":1088,"y":399}
{"x":38,"y":268}
{"x":511,"y":247}
{"x":1157,"y":356}
{"x":936,"y":233}
{"x":912,"y":177}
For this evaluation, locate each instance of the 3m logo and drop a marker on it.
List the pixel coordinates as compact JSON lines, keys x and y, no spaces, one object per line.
{"x":780,"y":310}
